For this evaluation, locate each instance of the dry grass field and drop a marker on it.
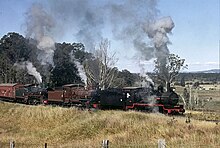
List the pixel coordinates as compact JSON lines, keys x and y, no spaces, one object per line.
{"x":32,"y":126}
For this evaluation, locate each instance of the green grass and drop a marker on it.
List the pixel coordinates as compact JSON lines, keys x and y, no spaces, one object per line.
{"x":32,"y":126}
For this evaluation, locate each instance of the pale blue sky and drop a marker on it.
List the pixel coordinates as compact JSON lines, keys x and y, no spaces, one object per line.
{"x":197,"y":31}
{"x":195,"y":36}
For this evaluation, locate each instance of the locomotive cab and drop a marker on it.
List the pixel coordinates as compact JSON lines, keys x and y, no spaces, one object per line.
{"x":138,"y":94}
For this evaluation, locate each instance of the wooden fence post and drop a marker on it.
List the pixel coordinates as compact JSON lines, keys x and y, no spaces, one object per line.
{"x":105,"y":143}
{"x":12,"y":144}
{"x":161,"y":143}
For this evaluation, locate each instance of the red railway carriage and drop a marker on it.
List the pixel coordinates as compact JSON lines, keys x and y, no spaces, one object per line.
{"x":69,"y":94}
{"x":10,"y":91}
{"x":55,"y":96}
{"x":76,"y":93}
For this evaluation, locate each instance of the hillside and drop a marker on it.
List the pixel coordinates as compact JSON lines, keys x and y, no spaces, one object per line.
{"x":209,"y":71}
{"x":32,"y":126}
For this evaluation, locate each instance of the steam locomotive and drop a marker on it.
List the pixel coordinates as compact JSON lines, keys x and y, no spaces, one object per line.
{"x":138,"y":98}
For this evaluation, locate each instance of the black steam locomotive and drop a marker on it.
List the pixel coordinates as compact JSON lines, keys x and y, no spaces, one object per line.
{"x":138,"y":98}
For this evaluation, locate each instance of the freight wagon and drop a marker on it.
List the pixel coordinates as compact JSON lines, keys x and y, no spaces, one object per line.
{"x":69,"y":94}
{"x":29,"y":93}
{"x":12,"y":92}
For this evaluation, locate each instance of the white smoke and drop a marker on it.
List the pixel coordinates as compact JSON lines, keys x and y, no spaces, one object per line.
{"x":80,"y":68}
{"x":146,"y":81}
{"x":30,"y":69}
{"x":47,"y":47}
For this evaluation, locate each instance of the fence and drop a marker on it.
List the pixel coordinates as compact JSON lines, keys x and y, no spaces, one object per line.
{"x":107,"y":144}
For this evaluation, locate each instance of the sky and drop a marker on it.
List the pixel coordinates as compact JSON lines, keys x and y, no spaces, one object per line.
{"x":195,"y":37}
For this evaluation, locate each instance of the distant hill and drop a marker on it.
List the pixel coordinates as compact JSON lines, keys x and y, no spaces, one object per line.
{"x":203,"y":76}
{"x":209,"y":71}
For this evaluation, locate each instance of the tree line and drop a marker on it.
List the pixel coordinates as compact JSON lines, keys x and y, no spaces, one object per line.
{"x":68,"y":58}
{"x":15,"y":48}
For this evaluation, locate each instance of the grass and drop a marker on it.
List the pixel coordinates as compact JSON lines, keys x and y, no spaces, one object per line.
{"x":32,"y":126}
{"x":201,"y":115}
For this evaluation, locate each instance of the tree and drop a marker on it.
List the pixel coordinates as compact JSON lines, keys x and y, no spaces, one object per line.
{"x":169,"y":68}
{"x":100,"y":70}
{"x":65,"y":74}
{"x":65,"y":70}
{"x":125,"y":78}
{"x":14,"y":48}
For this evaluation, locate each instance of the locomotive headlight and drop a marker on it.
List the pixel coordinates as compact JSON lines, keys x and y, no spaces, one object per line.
{"x":128,"y":95}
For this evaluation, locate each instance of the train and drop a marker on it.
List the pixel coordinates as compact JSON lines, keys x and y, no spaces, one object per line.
{"x":127,"y":98}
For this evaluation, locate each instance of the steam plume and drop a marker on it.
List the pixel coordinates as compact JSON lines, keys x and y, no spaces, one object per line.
{"x":147,"y":80}
{"x":30,"y":69}
{"x":80,"y":68}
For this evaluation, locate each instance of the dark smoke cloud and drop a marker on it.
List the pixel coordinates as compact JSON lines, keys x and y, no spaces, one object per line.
{"x":157,"y":31}
{"x":83,"y":17}
{"x":39,"y":25}
{"x":133,"y":22}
